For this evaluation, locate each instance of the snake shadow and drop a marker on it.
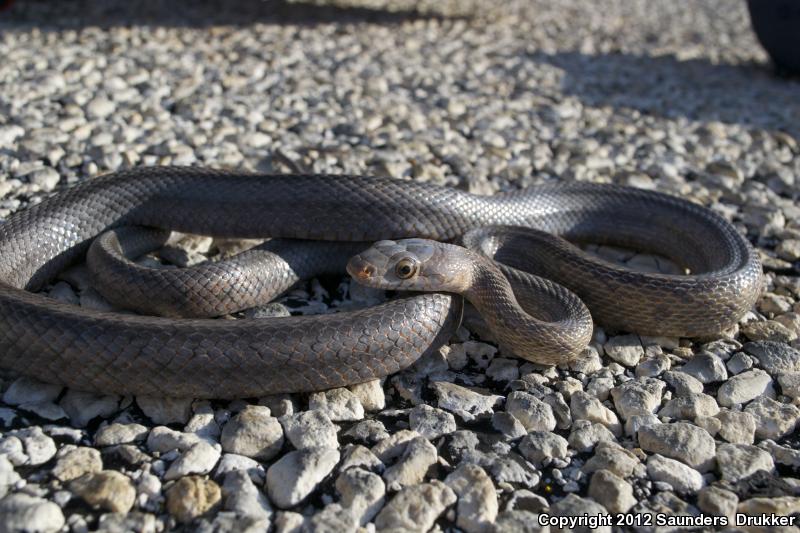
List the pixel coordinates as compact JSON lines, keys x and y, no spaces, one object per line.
{"x":78,"y":14}
{"x":751,"y":95}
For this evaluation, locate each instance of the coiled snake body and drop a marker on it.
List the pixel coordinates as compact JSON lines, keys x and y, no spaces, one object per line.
{"x":128,"y":354}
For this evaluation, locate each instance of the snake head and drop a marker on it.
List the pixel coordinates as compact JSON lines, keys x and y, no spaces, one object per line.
{"x":411,"y":265}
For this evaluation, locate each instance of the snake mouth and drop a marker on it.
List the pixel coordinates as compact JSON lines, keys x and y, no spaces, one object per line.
{"x":360,"y":269}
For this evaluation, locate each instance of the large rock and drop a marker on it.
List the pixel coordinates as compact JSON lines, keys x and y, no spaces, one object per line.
{"x":738,"y":461}
{"x":627,"y":350}
{"x":23,"y":513}
{"x":191,"y":497}
{"x":477,"y":499}
{"x":640,"y":396}
{"x":611,"y":491}
{"x":419,"y":454}
{"x":706,"y":367}
{"x":310,"y":429}
{"x":464,"y":402}
{"x":294,"y":476}
{"x":107,"y":489}
{"x":533,"y":413}
{"x":681,"y":477}
{"x":416,"y":508}
{"x":74,"y":462}
{"x":773,"y":419}
{"x":745,"y":387}
{"x":539,"y":447}
{"x":690,"y":406}
{"x":254,"y":432}
{"x":682,"y":441}
{"x":575,"y":506}
{"x":774,"y":357}
{"x":362,"y":493}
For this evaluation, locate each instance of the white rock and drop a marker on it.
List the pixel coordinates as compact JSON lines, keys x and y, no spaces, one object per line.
{"x":737,"y":427}
{"x":253,"y":432}
{"x":232,"y":462}
{"x":361,"y":492}
{"x":612,"y":457}
{"x":295,"y":475}
{"x":8,"y":476}
{"x":339,"y":404}
{"x":625,"y":349}
{"x":11,"y":447}
{"x":393,"y":446}
{"x":358,"y":456}
{"x":573,"y":505}
{"x":508,"y":425}
{"x":163,"y":439}
{"x":466,"y":403}
{"x":739,"y":362}
{"x":46,"y":178}
{"x":690,"y":406}
{"x":370,"y":394}
{"x":586,"y":435}
{"x":738,"y":461}
{"x":117,"y":433}
{"x":9,"y":133}
{"x":680,"y":477}
{"x":203,"y":422}
{"x":611,"y":491}
{"x":774,"y":357}
{"x":717,"y":501}
{"x":310,"y":429}
{"x":684,"y":442}
{"x":100,"y":107}
{"x":431,"y":422}
{"x":683,"y":383}
{"x":21,"y":512}
{"x":410,"y":469}
{"x":477,"y":500}
{"x":533,"y":413}
{"x":586,"y":407}
{"x":790,"y":384}
{"x":39,"y":448}
{"x":241,"y":496}
{"x":706,"y":367}
{"x":73,"y":462}
{"x":415,"y":508}
{"x":773,"y":419}
{"x":540,"y":446}
{"x":640,"y":396}
{"x":199,"y":459}
{"x":745,"y":387}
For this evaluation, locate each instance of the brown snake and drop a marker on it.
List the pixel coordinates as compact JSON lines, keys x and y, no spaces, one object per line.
{"x":128,"y":354}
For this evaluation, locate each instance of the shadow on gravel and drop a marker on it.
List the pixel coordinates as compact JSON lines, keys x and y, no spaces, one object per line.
{"x":750,"y":95}
{"x":77,"y":14}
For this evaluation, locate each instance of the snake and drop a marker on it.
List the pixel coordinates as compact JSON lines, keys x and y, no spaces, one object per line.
{"x":115,"y":353}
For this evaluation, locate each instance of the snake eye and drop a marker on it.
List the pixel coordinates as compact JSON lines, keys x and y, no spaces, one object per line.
{"x":406,"y":268}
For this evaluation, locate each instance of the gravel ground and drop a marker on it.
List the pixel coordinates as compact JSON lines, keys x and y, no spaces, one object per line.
{"x":675,"y":96}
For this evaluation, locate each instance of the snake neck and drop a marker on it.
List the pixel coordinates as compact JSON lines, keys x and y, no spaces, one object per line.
{"x":531,"y":317}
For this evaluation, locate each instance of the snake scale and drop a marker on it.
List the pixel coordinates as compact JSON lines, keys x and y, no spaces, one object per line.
{"x":190,"y":357}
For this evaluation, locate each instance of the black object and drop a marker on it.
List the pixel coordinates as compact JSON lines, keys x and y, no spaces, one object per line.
{"x":777,"y":25}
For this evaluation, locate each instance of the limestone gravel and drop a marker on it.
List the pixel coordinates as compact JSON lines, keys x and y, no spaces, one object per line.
{"x":672,"y":96}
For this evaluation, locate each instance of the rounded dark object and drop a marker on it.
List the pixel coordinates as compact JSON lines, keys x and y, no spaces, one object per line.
{"x":777,"y":25}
